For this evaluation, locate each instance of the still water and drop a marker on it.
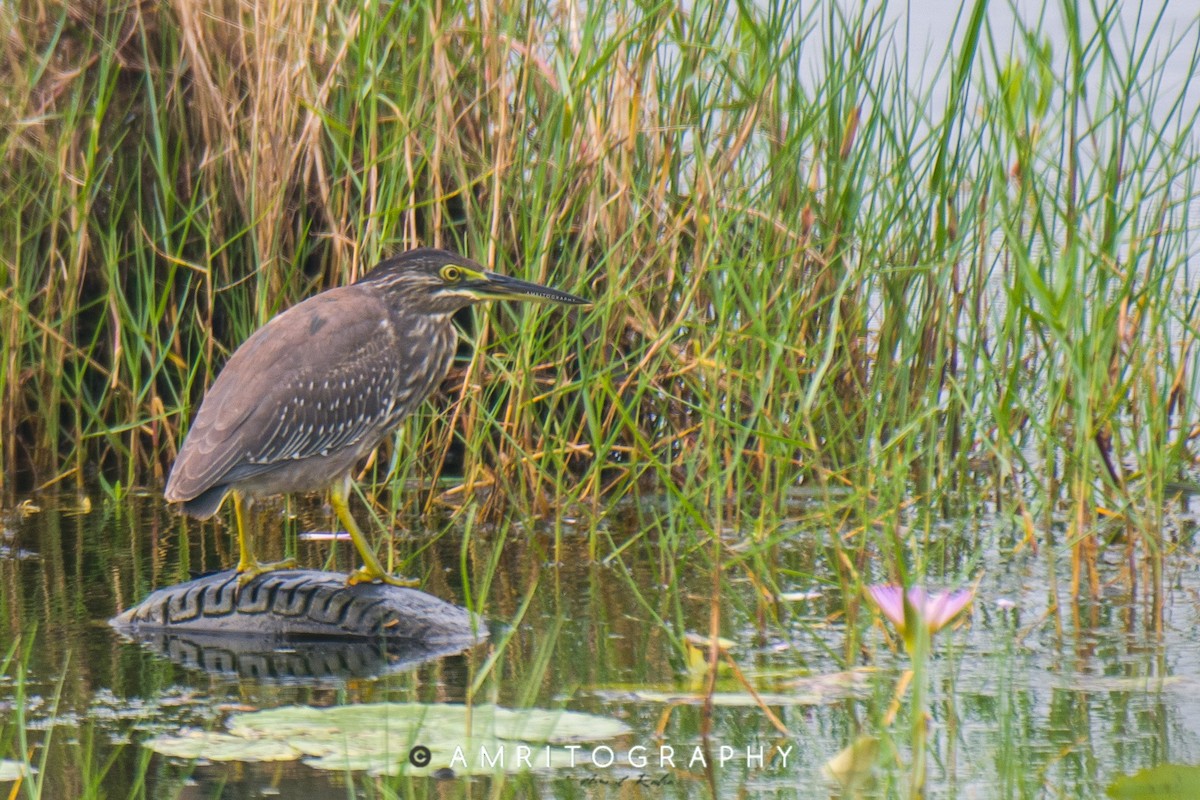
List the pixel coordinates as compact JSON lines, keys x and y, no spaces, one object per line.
{"x":1027,"y":698}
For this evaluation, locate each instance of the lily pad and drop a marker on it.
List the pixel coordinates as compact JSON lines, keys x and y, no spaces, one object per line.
{"x":779,"y":689}
{"x":834,"y":685}
{"x":730,"y":699}
{"x":382,"y":738}
{"x":851,"y":768}
{"x":1150,"y":684}
{"x":470,"y":756}
{"x":216,"y":746}
{"x":807,"y":691}
{"x":1164,"y":782}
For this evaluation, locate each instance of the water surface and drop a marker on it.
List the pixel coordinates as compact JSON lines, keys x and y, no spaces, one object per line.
{"x":1029,"y":698}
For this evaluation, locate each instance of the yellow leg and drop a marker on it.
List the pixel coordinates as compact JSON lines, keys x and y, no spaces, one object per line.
{"x":248,"y":568}
{"x":245,"y":556}
{"x":371,"y":570}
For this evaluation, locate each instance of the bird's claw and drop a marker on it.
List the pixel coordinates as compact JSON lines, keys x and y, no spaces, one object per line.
{"x":248,"y":572}
{"x":365,"y":575}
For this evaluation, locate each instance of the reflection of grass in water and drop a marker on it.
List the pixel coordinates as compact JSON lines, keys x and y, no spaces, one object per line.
{"x":19,"y":760}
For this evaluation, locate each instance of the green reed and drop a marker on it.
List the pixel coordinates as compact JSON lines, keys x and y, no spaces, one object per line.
{"x":817,"y":262}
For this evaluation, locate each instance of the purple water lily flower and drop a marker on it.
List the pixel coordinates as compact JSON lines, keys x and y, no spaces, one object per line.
{"x":934,"y":609}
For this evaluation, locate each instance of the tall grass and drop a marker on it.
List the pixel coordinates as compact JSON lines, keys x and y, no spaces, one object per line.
{"x":816,"y":261}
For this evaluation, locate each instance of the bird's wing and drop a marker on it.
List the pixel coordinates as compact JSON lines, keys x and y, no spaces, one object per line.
{"x":319,"y":376}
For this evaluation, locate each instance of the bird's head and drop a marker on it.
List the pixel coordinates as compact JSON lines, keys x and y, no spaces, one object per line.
{"x":440,"y":282}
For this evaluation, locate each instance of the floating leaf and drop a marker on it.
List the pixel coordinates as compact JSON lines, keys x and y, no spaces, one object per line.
{"x":851,"y":768}
{"x":809,"y":690}
{"x":215,"y":746}
{"x":380,"y":737}
{"x":1125,"y":683}
{"x":798,"y":597}
{"x":1164,"y":782}
{"x":730,"y":699}
{"x":470,"y":756}
{"x":835,"y":685}
{"x":703,"y":641}
{"x":533,"y":724}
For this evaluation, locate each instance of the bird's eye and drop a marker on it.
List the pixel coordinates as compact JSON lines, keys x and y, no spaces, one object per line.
{"x":451,"y":274}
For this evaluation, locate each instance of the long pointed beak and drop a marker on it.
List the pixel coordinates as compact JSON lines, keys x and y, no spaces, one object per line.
{"x":495,"y":286}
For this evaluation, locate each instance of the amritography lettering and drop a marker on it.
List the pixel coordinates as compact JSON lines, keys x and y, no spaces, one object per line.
{"x":637,"y":757}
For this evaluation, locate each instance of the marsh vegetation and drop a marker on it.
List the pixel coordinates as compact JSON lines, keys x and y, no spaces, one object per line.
{"x":864,"y":312}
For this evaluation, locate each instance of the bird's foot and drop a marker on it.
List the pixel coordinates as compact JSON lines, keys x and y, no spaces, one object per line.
{"x":248,"y":572}
{"x":368,"y":575}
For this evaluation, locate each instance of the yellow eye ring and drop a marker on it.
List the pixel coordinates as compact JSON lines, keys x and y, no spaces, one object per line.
{"x":452,"y":274}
